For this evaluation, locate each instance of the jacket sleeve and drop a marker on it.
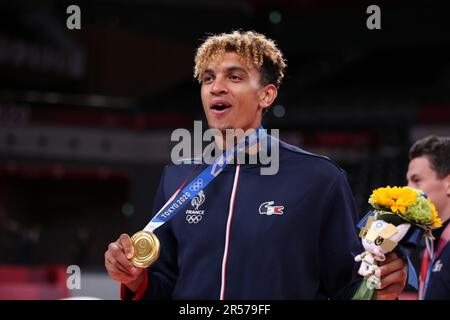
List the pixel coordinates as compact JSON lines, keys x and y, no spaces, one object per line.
{"x":339,"y":241}
{"x":161,"y":277}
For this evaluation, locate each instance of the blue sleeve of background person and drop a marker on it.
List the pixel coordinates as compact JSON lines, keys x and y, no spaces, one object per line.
{"x":339,"y":241}
{"x":163,"y":274}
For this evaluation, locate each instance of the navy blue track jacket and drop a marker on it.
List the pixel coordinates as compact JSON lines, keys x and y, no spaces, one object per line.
{"x":286,"y":236}
{"x":439,"y":283}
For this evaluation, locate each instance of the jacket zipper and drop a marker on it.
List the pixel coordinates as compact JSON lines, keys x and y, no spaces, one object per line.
{"x":227,"y":232}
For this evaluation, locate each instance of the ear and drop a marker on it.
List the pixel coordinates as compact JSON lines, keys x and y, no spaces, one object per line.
{"x":267,"y":95}
{"x":402,"y":229}
{"x":447,"y":185}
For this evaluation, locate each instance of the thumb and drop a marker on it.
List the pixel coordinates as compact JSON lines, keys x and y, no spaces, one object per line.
{"x":126,"y":244}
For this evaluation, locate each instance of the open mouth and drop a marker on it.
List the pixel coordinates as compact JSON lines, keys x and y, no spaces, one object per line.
{"x":220,"y":107}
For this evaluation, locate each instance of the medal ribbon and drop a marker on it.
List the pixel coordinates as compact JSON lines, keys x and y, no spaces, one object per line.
{"x":183,"y":195}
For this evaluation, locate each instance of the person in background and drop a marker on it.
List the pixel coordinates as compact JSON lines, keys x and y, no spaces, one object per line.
{"x":429,"y":171}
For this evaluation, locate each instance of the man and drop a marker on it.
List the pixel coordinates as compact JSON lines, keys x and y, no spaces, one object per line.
{"x":429,"y":170}
{"x":241,"y":249}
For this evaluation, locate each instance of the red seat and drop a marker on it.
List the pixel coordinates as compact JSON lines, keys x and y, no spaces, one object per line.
{"x":33,"y":282}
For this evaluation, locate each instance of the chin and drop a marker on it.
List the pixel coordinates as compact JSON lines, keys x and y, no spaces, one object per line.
{"x":219,"y":126}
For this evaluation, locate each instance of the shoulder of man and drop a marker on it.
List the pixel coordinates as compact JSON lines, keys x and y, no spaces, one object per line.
{"x":313,"y":161}
{"x":178,"y":171}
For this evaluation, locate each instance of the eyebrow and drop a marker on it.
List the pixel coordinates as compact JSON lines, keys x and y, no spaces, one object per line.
{"x":235,"y":68}
{"x":229,"y":69}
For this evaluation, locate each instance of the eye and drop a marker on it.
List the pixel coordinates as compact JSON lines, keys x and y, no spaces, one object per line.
{"x":378,"y":241}
{"x":378,"y":225}
{"x":234,"y":77}
{"x":207,"y":79}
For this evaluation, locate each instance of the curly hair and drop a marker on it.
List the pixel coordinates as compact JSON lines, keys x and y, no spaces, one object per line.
{"x":254,"y":47}
{"x":437,"y":150}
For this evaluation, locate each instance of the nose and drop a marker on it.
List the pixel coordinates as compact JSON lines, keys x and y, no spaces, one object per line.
{"x":218,"y":87}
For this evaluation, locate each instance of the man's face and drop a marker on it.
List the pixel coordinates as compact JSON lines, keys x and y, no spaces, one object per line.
{"x":421,"y":176}
{"x":232,"y":95}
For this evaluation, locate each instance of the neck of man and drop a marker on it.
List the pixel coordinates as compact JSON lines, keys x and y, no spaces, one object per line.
{"x":227,"y":142}
{"x":444,"y":214}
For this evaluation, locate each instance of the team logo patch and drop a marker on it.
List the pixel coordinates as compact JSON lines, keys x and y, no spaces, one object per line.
{"x":195,"y":216}
{"x":437,"y":266}
{"x":269,"y":209}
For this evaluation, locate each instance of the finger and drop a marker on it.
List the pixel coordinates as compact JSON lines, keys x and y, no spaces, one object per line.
{"x":390,"y":257}
{"x":392,"y":266}
{"x":390,"y":292}
{"x":126,"y":244}
{"x":119,"y":256}
{"x":397,"y":277}
{"x":117,"y":267}
{"x":115,"y":272}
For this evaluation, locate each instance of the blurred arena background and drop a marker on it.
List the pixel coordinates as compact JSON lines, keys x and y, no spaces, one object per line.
{"x":86,"y":115}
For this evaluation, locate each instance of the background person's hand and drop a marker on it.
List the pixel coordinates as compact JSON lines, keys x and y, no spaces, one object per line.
{"x":394,"y":272}
{"x":118,"y":265}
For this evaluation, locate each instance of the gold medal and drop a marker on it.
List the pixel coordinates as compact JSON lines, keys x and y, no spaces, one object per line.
{"x":146,"y":249}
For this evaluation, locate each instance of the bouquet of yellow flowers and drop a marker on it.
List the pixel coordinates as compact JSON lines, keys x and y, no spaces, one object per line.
{"x":398,"y":212}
